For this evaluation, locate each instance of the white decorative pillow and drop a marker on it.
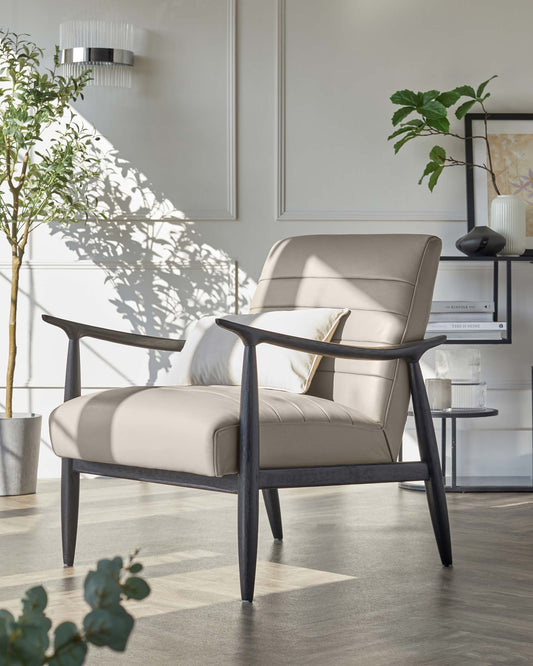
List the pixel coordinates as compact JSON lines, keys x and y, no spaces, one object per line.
{"x":213,"y":355}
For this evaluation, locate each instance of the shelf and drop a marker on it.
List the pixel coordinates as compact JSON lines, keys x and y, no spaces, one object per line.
{"x":467,"y":341}
{"x":495,"y":263}
{"x":462,"y":412}
{"x":462,"y":257}
{"x":481,"y":484}
{"x":475,"y":341}
{"x":492,"y":484}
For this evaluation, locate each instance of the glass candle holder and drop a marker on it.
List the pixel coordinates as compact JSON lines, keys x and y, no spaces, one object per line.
{"x":462,"y":366}
{"x":469,"y":396}
{"x":439,"y":393}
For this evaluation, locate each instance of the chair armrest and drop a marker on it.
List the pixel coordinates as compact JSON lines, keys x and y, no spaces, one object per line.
{"x":76,"y":330}
{"x":411,"y":351}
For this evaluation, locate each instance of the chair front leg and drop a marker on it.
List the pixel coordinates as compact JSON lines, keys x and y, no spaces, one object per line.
{"x":271,"y":499}
{"x":70,"y":480}
{"x":427,"y":444}
{"x":248,"y":499}
{"x":248,"y":508}
{"x":70,"y":499}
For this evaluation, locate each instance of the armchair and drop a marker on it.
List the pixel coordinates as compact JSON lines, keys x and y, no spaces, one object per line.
{"x":347,"y":429}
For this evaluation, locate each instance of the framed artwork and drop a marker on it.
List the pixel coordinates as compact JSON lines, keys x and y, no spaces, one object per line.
{"x":510,"y":138}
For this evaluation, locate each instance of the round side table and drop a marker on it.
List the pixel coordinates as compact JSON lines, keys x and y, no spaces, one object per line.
{"x":445,"y":415}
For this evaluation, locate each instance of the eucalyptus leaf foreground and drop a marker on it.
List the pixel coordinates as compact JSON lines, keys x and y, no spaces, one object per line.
{"x":25,"y":641}
{"x":46,"y":162}
{"x":431,"y":110}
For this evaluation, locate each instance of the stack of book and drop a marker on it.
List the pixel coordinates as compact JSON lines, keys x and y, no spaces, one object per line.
{"x":468,"y":320}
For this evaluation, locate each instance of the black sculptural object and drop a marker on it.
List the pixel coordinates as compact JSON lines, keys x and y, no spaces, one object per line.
{"x":481,"y":242}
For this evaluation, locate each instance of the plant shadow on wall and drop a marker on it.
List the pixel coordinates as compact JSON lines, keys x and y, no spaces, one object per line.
{"x":164,"y":275}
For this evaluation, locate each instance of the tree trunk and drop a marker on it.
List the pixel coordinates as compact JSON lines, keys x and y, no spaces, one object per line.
{"x":12,"y":345}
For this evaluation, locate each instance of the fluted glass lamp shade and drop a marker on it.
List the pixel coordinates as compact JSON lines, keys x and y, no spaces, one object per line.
{"x":106,"y":48}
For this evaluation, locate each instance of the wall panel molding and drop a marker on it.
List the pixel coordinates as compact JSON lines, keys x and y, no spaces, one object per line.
{"x":88,"y":264}
{"x":230,"y":211}
{"x":285,"y":214}
{"x":280,"y":108}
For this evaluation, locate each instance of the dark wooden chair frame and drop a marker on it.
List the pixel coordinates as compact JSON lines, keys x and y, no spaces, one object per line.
{"x":251,"y":478}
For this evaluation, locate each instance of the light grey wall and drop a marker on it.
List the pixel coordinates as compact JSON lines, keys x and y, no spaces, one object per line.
{"x":256,"y":120}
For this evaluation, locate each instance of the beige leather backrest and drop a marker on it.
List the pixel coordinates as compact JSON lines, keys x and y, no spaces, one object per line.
{"x":387,"y":283}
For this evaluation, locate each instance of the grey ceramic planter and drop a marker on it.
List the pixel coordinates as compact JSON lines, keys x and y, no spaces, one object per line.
{"x":20,"y":438}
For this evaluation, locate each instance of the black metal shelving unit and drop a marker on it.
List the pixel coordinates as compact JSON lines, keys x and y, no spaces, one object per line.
{"x":458,"y":484}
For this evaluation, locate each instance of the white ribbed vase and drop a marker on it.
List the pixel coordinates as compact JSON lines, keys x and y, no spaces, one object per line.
{"x":508,"y":218}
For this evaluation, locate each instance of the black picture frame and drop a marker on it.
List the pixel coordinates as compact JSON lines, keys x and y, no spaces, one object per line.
{"x":473,"y":174}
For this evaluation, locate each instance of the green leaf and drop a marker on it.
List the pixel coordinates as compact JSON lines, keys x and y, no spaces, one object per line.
{"x":416,"y":122}
{"x":31,"y":635}
{"x":6,"y":627}
{"x":136,"y":567}
{"x":434,"y":178}
{"x":28,"y":644}
{"x":37,"y":619}
{"x":69,"y":648}
{"x":483,"y":85}
{"x":64,"y":633}
{"x":34,"y":599}
{"x":430,"y":167}
{"x":432,"y":109}
{"x":448,"y":98}
{"x":136,"y":588}
{"x":101,"y":589}
{"x":112,"y":567}
{"x":404,"y":97}
{"x":402,"y":142}
{"x":441,"y":124}
{"x":462,"y":110}
{"x":402,"y":130}
{"x":6,"y":617}
{"x":437,"y":154}
{"x":110,"y":627}
{"x":72,"y":654}
{"x":402,"y":113}
{"x":465,"y":91}
{"x":429,"y":96}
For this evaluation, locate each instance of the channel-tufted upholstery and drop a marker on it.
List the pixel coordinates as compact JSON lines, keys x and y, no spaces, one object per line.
{"x":195,"y":429}
{"x":354,"y":412}
{"x":387,"y":282}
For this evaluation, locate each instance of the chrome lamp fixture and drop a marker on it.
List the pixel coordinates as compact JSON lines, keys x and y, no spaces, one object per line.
{"x":106,"y":48}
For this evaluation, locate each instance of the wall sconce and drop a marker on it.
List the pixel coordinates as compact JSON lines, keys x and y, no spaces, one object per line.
{"x":106,"y":48}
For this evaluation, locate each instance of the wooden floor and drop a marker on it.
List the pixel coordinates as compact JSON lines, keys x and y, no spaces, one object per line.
{"x":356,"y":581}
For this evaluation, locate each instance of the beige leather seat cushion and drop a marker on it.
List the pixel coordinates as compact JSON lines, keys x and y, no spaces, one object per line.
{"x":195,"y":429}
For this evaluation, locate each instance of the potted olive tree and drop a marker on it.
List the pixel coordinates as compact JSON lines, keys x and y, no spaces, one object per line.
{"x":46,"y":168}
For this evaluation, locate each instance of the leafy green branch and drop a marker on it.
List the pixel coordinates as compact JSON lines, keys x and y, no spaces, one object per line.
{"x":25,"y":641}
{"x":432,"y":109}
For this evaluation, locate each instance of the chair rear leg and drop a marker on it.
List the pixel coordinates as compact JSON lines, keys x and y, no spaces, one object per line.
{"x":271,"y":498}
{"x":70,"y":499}
{"x":248,"y":508}
{"x":427,"y":444}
